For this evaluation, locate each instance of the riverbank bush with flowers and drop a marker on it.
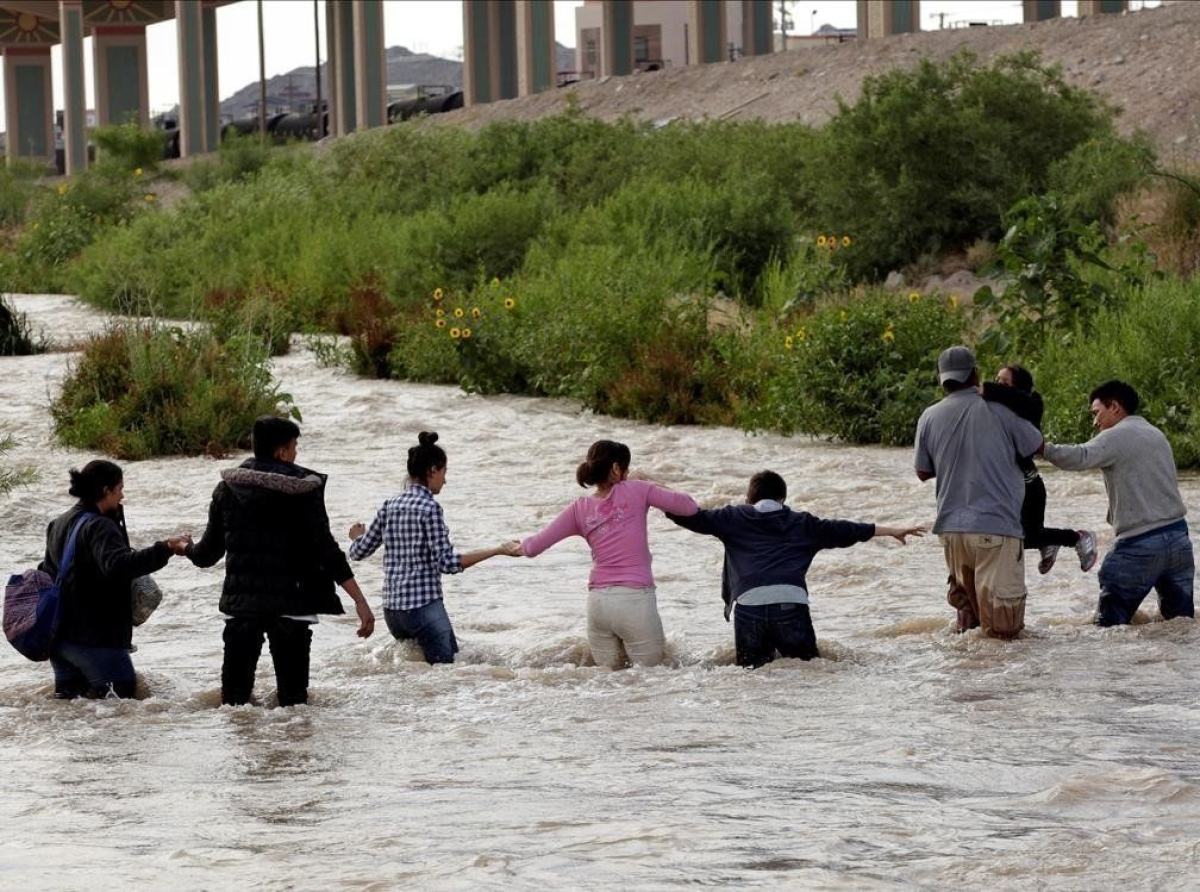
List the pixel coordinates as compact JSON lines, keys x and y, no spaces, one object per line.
{"x":656,"y":272}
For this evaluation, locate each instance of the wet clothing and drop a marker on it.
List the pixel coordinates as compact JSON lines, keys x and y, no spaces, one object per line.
{"x":267,"y":519}
{"x":967,"y":444}
{"x":97,"y":606}
{"x":768,"y":550}
{"x":90,"y":656}
{"x":429,"y":625}
{"x":412,"y":529}
{"x":1033,"y":509}
{"x":416,"y":552}
{"x":1146,"y":509}
{"x":623,"y":625}
{"x":291,"y":643}
{"x":615,"y":530}
{"x":1139,"y":474}
{"x":1163,"y":560}
{"x":761,"y":631}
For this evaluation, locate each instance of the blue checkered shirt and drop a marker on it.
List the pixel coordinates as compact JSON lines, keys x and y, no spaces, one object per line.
{"x":416,"y":548}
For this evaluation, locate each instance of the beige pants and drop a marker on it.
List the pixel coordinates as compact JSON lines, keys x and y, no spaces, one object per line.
{"x":987,"y":582}
{"x":624,"y":623}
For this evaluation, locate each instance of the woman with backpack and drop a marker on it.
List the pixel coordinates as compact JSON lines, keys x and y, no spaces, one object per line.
{"x":90,"y":656}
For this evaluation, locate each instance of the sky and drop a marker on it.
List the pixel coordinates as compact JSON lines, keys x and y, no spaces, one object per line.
{"x":435,"y":27}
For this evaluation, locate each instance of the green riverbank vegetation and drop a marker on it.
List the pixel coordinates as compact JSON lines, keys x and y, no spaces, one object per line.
{"x":714,"y":272}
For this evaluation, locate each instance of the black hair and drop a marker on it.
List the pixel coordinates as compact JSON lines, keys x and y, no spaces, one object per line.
{"x":1117,"y":392}
{"x":952,"y":386}
{"x":425,"y":456}
{"x":97,"y":476}
{"x":270,"y":433}
{"x":766,"y":485}
{"x":601,"y":456}
{"x":1022,"y":378}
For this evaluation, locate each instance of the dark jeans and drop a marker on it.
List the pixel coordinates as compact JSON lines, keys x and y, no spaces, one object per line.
{"x":1033,"y":520}
{"x":760,"y":630}
{"x":1162,"y":560}
{"x":291,"y":641}
{"x":84,"y":671}
{"x":430,"y":625}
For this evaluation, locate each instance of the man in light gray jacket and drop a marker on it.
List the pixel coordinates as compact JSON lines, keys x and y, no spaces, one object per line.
{"x":1145,"y":508}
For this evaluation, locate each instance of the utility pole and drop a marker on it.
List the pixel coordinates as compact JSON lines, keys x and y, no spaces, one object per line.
{"x":317,"y":38}
{"x":785,"y":22}
{"x":262,"y":78}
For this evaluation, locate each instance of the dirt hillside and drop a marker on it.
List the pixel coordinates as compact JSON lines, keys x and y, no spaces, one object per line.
{"x":1146,"y":63}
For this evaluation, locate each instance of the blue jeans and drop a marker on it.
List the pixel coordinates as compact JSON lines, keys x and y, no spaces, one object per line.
{"x":430,"y":625}
{"x":81,"y":670}
{"x":1162,"y":560}
{"x":760,"y":630}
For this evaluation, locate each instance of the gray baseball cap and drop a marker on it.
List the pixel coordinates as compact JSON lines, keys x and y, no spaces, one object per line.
{"x":955,"y":364}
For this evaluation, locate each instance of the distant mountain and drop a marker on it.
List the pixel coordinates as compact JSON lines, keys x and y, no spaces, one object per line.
{"x":298,"y":88}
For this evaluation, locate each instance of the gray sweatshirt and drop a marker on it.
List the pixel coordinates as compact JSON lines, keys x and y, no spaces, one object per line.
{"x":1139,"y":474}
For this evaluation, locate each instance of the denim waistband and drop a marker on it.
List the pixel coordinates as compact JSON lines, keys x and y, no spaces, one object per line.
{"x":1179,"y":526}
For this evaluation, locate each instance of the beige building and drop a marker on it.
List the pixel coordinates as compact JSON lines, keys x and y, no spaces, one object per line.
{"x":662,"y":35}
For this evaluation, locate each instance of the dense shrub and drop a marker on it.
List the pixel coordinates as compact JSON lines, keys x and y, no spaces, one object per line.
{"x":127,"y":147}
{"x":64,"y":220}
{"x":1060,"y":275}
{"x":863,"y":370}
{"x":140,"y":390}
{"x":1151,"y":341}
{"x":929,"y":159}
{"x":17,"y":187}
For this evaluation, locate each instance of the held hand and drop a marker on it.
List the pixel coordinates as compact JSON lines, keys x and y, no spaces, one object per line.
{"x":179,"y":544}
{"x":366,"y":618}
{"x":357,"y":530}
{"x":511,"y":548}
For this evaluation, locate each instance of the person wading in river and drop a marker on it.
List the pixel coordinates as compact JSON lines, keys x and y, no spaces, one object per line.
{"x":968,"y":445}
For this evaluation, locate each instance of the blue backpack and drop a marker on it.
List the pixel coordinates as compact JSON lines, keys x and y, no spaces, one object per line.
{"x":31,"y":603}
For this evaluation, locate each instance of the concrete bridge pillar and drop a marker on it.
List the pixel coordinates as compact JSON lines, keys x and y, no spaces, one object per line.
{"x":883,"y":18}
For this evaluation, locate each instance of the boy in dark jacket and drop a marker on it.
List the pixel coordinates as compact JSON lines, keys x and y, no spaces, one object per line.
{"x":768,"y":549}
{"x":268,"y":520}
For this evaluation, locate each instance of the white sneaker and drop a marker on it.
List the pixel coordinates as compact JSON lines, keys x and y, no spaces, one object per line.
{"x":1086,"y":549}
{"x":1049,"y":555}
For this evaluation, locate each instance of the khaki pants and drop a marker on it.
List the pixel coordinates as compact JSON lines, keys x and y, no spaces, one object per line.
{"x":623,"y":624}
{"x":987,"y":581}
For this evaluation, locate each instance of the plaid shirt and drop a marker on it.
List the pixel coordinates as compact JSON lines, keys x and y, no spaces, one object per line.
{"x":416,"y":548}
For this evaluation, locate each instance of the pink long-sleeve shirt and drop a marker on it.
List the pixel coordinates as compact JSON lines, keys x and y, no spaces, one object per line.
{"x":615,"y":529}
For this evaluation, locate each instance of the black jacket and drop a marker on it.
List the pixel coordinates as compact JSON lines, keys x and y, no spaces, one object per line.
{"x":97,"y":605}
{"x":268,"y":520}
{"x":1027,"y":405}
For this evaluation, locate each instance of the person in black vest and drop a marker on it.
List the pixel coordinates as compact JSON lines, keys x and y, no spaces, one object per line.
{"x":267,"y":519}
{"x":90,"y":657}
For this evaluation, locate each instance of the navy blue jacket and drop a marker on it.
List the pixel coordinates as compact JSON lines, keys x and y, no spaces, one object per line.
{"x":770,"y":547}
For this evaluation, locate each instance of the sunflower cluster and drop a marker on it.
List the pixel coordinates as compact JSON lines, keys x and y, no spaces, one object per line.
{"x":457,"y":321}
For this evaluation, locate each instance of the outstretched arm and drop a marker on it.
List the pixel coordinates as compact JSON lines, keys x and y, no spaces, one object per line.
{"x":471,"y":558}
{"x":899,"y":532}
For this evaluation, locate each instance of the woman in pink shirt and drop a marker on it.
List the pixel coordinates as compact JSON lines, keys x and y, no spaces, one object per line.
{"x":622,"y":610}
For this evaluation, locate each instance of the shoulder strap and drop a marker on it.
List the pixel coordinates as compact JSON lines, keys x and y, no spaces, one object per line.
{"x":69,"y":551}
